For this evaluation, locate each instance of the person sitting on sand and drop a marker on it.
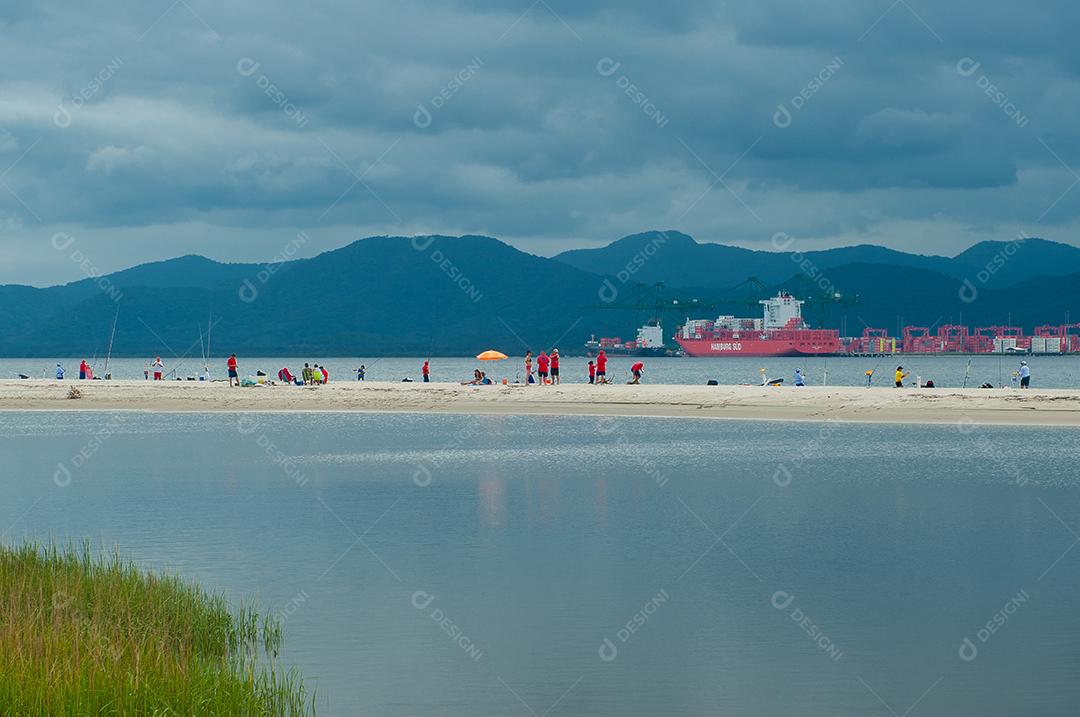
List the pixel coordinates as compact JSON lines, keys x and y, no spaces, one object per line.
{"x":485,"y":380}
{"x":59,"y":372}
{"x":316,"y":375}
{"x":798,"y":379}
{"x":477,"y":378}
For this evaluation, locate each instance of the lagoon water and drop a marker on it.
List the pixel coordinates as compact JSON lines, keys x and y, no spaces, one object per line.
{"x":496,"y":565}
{"x":946,"y":371}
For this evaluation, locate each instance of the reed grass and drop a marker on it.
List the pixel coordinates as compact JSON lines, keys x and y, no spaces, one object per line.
{"x":86,"y":635}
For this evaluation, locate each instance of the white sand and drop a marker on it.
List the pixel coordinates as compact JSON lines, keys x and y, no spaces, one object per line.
{"x":979,"y":406}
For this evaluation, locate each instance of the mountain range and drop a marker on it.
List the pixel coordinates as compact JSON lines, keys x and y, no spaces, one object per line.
{"x":442,"y":295}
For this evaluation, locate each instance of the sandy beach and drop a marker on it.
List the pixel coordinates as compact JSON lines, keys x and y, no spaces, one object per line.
{"x":887,"y":405}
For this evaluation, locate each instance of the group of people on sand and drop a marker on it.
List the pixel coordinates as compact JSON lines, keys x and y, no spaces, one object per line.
{"x":86,"y":372}
{"x":547,"y":370}
{"x":310,"y":375}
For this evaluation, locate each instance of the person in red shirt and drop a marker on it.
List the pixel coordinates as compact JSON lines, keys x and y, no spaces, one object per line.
{"x":601,"y":367}
{"x":234,"y":371}
{"x":592,"y":372}
{"x":542,"y":367}
{"x":426,"y":371}
{"x":554,"y":365}
{"x":637,"y":369}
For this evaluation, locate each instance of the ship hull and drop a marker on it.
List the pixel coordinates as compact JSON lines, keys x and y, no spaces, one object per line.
{"x":758,"y":347}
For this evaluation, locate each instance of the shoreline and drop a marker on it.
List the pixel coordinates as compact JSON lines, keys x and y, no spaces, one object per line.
{"x":1032,"y":407}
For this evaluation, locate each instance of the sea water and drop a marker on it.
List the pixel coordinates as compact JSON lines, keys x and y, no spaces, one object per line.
{"x":945,"y":371}
{"x":497,"y":565}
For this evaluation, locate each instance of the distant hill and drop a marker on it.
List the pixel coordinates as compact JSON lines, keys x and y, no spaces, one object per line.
{"x":440,"y":295}
{"x":679,"y":260}
{"x":382,"y":295}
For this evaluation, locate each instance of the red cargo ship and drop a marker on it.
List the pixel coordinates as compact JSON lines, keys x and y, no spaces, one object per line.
{"x":781,"y":332}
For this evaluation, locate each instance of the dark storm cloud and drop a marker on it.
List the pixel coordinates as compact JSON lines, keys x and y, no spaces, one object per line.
{"x":154,"y":129}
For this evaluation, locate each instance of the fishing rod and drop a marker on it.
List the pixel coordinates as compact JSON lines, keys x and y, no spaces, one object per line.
{"x":870,"y":375}
{"x":112,"y":337}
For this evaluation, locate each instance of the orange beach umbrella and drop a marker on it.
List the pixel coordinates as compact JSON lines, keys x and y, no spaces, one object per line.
{"x":490,"y":355}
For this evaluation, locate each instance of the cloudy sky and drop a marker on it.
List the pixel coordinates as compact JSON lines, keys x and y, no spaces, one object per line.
{"x":136,"y":130}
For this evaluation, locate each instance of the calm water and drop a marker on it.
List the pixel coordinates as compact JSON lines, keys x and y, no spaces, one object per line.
{"x":444,"y":565}
{"x":1047,"y":371}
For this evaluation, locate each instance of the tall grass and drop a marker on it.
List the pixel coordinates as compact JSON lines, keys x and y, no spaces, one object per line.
{"x":86,"y":635}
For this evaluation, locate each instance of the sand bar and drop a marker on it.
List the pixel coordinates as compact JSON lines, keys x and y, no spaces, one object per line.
{"x":888,"y":405}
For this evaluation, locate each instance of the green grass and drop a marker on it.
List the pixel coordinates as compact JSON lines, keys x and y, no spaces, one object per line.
{"x":86,"y":635}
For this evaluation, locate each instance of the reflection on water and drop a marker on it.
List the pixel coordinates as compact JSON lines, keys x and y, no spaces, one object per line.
{"x":516,"y":565}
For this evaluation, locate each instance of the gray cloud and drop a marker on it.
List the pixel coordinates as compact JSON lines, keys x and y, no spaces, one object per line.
{"x":152,"y":129}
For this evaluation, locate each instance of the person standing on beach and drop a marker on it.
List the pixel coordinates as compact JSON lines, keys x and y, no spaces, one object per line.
{"x":554,"y":366}
{"x":360,"y":373}
{"x":234,"y":370}
{"x":542,"y":367}
{"x":528,"y":367}
{"x":325,"y":374}
{"x":158,"y":368}
{"x":59,"y":372}
{"x":900,"y":376}
{"x":592,"y":372}
{"x":601,"y":367}
{"x":82,"y":370}
{"x":1025,"y":374}
{"x":799,"y":381}
{"x":425,"y":370}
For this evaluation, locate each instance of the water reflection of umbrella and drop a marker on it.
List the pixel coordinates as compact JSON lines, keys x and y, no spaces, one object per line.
{"x":491,"y":355}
